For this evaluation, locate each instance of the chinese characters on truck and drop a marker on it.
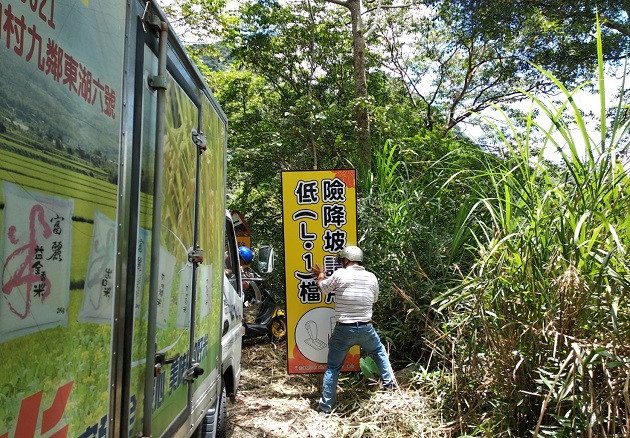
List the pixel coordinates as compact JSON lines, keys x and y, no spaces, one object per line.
{"x":22,"y":35}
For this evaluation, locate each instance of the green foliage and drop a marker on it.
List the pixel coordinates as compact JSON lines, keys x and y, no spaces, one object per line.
{"x":408,"y":215}
{"x":311,"y":83}
{"x":369,"y":369}
{"x":295,"y":111}
{"x":558,"y":35}
{"x":539,"y":327}
{"x":201,"y":19}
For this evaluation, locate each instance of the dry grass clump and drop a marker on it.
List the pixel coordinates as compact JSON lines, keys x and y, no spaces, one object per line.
{"x":271,"y":403}
{"x":403,"y":412}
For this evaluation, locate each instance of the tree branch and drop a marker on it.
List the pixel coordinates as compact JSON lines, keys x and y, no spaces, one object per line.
{"x":387,"y":7}
{"x":614,"y":25}
{"x":339,"y":2}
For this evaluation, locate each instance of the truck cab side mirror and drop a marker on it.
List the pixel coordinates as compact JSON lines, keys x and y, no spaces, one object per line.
{"x":265,"y":259}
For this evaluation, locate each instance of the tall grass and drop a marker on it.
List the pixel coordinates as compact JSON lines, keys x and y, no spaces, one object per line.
{"x":407,"y":219}
{"x":538,"y":332}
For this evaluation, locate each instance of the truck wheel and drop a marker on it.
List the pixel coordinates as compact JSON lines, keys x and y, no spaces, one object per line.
{"x":278,"y":329}
{"x":205,"y":428}
{"x":222,"y":412}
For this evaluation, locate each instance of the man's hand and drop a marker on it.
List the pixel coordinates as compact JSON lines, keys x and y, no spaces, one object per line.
{"x":317,"y":271}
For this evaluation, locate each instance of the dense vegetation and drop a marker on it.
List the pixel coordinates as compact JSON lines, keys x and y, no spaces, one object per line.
{"x":504,"y":275}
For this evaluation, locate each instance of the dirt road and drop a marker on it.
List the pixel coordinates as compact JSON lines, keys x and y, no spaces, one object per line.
{"x":272,"y":404}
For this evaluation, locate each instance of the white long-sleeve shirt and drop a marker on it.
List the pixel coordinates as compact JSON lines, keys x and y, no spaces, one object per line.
{"x":356,"y":290}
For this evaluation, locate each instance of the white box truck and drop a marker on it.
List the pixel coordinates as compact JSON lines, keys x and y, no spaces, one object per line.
{"x":119,"y":261}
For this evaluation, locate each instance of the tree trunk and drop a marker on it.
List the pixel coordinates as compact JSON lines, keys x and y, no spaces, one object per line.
{"x":360,"y":84}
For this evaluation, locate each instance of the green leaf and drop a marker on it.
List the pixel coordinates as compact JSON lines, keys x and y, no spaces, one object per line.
{"x":368,"y":367}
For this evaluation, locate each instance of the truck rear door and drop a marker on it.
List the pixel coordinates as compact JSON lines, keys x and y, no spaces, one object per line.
{"x":182,"y":203}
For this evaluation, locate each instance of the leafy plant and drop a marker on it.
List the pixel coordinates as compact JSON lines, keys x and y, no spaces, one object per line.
{"x":369,"y":369}
{"x":538,"y":328}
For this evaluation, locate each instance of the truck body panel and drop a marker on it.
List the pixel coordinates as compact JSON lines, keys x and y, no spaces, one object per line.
{"x":98,"y":300}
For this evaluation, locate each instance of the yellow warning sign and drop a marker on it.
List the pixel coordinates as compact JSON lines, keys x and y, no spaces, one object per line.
{"x":319,"y":211}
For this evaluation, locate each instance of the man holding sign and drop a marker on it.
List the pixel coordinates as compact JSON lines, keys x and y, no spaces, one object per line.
{"x":356,"y":290}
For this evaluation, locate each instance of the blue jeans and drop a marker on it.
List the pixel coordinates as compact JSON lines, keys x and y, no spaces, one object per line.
{"x":342,"y":339}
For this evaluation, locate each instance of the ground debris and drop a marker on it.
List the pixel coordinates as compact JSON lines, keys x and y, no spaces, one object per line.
{"x":273,"y":404}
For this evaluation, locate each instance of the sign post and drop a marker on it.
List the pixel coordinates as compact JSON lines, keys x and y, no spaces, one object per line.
{"x":319,"y":220}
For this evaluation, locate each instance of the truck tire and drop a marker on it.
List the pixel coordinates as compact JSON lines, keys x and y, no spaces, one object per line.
{"x":222,"y":413}
{"x":205,"y":429}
